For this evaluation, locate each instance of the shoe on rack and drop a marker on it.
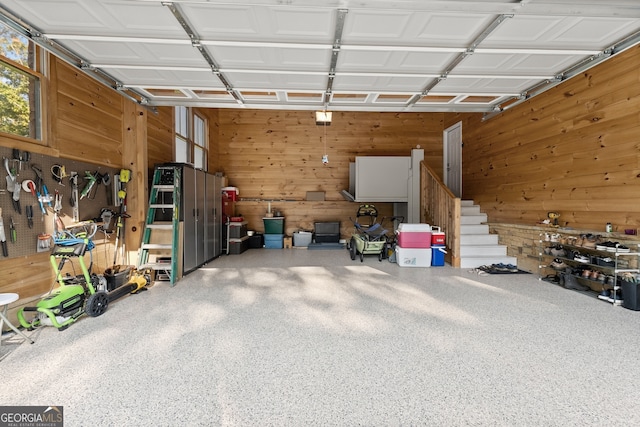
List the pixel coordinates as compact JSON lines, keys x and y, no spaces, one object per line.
{"x":582,"y":258}
{"x":606,"y":262}
{"x":622,"y":249}
{"x":615,"y":297}
{"x":558,"y":251}
{"x":590,"y":242}
{"x":558,"y":264}
{"x":605,"y":294}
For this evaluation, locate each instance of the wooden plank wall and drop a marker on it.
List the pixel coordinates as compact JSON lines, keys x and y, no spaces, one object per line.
{"x":89,"y":121}
{"x":160,"y":136}
{"x":84,"y":121}
{"x":277,"y":155}
{"x":573,"y":149}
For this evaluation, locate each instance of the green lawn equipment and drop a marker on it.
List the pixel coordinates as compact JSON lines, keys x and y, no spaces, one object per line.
{"x":369,"y":238}
{"x":77,"y":295}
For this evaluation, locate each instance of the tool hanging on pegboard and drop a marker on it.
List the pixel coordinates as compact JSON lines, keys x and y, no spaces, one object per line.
{"x":59,"y":173}
{"x":73,"y":178}
{"x":119,"y":187}
{"x":91,"y":181}
{"x":42,"y":193}
{"x":13,"y":185}
{"x":3,"y":238}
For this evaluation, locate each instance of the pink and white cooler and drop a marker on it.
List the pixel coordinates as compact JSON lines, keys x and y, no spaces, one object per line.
{"x":414,"y":236}
{"x":413,"y":257}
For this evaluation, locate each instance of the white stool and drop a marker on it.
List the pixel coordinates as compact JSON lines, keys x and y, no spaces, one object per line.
{"x":5,"y":300}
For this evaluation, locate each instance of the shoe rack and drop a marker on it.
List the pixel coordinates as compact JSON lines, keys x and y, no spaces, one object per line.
{"x":597,"y":263}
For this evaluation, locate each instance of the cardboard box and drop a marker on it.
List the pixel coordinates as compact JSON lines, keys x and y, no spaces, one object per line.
{"x":315,"y":196}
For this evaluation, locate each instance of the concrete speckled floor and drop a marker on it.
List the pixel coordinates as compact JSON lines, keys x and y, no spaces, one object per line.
{"x":299,"y":337}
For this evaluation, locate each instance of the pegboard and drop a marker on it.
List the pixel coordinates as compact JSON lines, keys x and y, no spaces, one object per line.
{"x":101,"y":196}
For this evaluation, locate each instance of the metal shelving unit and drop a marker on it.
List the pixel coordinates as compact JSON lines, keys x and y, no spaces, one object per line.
{"x":623,"y":262}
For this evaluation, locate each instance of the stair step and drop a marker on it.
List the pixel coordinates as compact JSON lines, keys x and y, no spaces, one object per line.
{"x":466,"y":203}
{"x":156,"y":246}
{"x":482,"y":250}
{"x":474,"y":229}
{"x":473,"y":219}
{"x":161,"y":206}
{"x":478,"y":239}
{"x":156,"y":266}
{"x":160,"y":226}
{"x":470,"y":210}
{"x":475,"y":262}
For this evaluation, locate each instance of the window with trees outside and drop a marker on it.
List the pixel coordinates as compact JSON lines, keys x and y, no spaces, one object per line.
{"x":192,"y":141}
{"x":20,"y":84}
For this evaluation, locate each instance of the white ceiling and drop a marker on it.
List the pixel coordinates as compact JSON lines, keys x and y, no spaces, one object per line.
{"x":362,"y":55}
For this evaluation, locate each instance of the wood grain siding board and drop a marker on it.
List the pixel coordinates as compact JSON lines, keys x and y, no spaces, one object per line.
{"x":103,"y":103}
{"x":160,"y":136}
{"x":302,"y":215}
{"x":277,"y":155}
{"x":78,"y":115}
{"x":28,"y":276}
{"x":89,"y":118}
{"x":82,"y":144}
{"x":573,"y":149}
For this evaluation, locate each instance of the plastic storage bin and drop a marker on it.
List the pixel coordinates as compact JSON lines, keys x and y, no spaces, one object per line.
{"x":414,"y":235}
{"x":302,"y":238}
{"x":273,"y":241}
{"x":115,"y":280}
{"x":273,"y":225}
{"x":437,"y":256}
{"x":413,"y":257}
{"x":256,"y":241}
{"x":237,"y":230}
{"x":327,"y":232}
{"x":630,"y":295}
{"x":238,"y":246}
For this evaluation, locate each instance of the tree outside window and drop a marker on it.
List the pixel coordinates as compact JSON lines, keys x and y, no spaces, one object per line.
{"x":19,"y":86}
